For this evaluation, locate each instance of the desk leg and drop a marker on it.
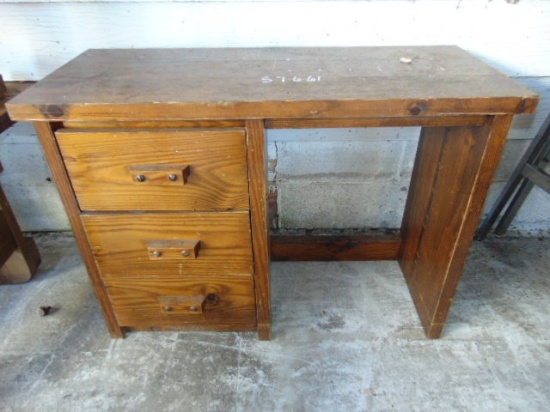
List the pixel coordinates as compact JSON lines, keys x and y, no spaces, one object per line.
{"x":453,"y":171}
{"x":257,"y":175}
{"x":49,"y":144}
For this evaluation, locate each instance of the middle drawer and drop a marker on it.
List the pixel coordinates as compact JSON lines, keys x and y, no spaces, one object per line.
{"x":177,"y":245}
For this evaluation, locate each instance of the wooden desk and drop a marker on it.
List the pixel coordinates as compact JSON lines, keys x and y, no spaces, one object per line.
{"x":116,"y":124}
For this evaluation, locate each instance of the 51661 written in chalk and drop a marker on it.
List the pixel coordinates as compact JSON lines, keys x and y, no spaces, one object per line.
{"x":290,"y":79}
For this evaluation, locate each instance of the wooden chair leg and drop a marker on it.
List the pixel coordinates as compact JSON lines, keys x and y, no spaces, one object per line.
{"x":22,"y":264}
{"x":19,"y":255}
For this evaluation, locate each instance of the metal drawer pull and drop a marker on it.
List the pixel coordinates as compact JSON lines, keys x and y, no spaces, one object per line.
{"x":182,"y":304}
{"x":173,"y":249}
{"x":160,"y":174}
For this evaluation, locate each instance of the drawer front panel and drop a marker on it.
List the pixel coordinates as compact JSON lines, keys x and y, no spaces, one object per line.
{"x":217,"y":303}
{"x":156,"y":169}
{"x":177,"y":245}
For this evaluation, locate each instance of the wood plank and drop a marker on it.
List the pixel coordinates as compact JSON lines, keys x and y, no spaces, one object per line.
{"x":322,"y":108}
{"x":47,"y":139}
{"x":330,"y":248}
{"x":438,"y":232}
{"x":148,"y":124}
{"x":207,"y":84}
{"x":428,"y":158}
{"x":257,"y":169}
{"x":473,"y":120}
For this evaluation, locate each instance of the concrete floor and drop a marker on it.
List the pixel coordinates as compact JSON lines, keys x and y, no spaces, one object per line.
{"x":346,"y":338}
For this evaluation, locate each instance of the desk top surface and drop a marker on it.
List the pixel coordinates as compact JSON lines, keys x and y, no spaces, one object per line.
{"x":314,"y":83}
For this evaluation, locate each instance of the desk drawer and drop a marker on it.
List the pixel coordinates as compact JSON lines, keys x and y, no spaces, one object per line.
{"x":166,"y":169}
{"x":177,"y":245}
{"x":217,"y":303}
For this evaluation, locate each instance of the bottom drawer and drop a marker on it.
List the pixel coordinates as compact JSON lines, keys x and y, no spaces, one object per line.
{"x":217,"y":303}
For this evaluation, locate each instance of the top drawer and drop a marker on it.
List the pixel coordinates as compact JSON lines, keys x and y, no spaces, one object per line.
{"x":164,"y":169}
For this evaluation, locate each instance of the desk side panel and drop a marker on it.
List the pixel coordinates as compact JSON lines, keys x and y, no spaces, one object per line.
{"x":61,"y":177}
{"x":453,"y":171}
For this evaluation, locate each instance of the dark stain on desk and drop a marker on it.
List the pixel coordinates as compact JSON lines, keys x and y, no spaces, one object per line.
{"x":53,"y":111}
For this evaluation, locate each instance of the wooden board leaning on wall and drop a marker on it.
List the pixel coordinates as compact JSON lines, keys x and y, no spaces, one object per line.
{"x":7,"y":91}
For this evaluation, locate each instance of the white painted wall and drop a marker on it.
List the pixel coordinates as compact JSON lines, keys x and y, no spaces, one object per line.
{"x":38,"y":36}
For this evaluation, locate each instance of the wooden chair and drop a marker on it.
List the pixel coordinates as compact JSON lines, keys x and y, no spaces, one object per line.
{"x":19,"y":256}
